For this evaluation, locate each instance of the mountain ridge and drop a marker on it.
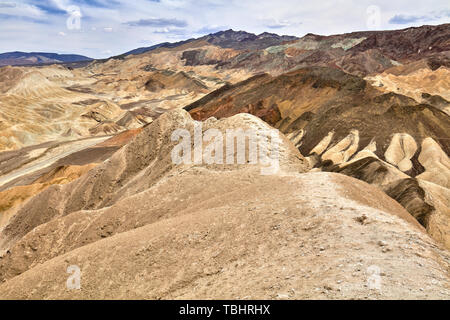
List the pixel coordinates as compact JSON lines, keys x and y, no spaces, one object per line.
{"x":226,"y":38}
{"x":19,"y":58}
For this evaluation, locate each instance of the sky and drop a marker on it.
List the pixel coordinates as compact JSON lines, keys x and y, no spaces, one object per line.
{"x":103,"y":28}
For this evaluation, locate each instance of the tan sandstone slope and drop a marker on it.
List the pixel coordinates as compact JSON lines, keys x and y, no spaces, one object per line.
{"x":139,"y":226}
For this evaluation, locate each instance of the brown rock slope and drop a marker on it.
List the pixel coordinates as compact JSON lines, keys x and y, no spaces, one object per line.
{"x":31,"y":170}
{"x":11,"y":199}
{"x":215,"y":231}
{"x":345,"y":125}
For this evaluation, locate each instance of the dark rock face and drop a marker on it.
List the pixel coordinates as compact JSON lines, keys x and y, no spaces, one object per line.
{"x":436,"y":101}
{"x":364,"y":62}
{"x":407,"y":43}
{"x":196,"y":57}
{"x":438,"y":60}
{"x":370,"y":170}
{"x":154,"y":85}
{"x":411,"y":196}
{"x":242,"y":40}
{"x":167,"y":80}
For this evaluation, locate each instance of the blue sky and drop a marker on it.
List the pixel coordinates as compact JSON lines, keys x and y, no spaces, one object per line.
{"x":101,"y":28}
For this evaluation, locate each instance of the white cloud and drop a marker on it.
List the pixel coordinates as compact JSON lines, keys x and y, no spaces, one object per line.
{"x":104,"y":23}
{"x":20,"y":9}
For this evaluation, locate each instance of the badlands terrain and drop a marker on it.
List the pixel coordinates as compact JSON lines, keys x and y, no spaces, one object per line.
{"x":87,"y":178}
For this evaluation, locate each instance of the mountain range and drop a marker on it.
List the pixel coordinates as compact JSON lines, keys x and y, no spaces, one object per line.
{"x":226,"y":39}
{"x":18,"y":58}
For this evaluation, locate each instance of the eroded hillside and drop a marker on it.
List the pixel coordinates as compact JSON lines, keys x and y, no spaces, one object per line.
{"x":225,"y":220}
{"x":87,"y":176}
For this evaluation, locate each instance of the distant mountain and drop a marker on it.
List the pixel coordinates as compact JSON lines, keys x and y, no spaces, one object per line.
{"x":357,"y":53}
{"x":239,"y":40}
{"x":156,"y":46}
{"x":18,"y":58}
{"x":242,"y":40}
